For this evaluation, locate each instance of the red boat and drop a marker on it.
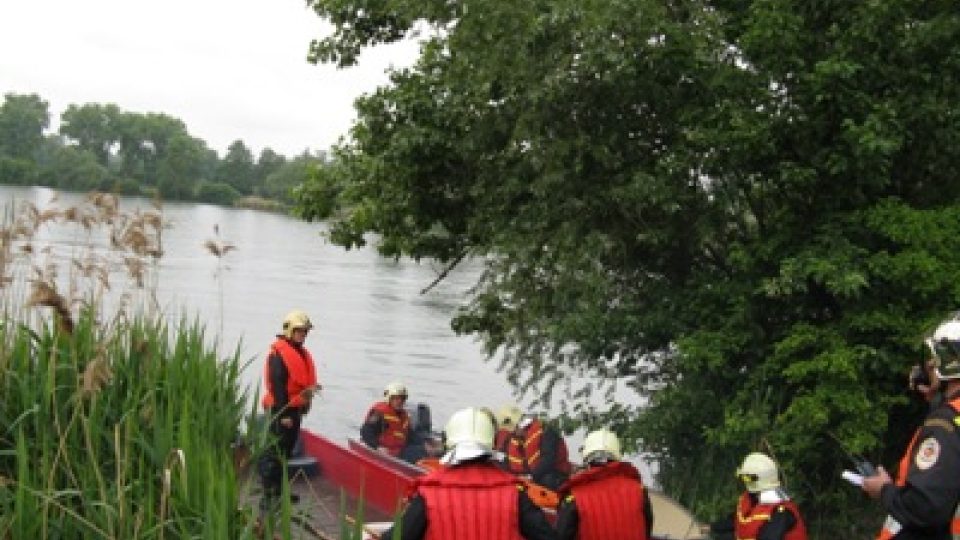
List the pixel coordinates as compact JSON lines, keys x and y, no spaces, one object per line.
{"x":382,"y":481}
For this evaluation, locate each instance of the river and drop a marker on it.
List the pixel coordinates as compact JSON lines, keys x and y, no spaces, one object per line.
{"x":372,"y":324}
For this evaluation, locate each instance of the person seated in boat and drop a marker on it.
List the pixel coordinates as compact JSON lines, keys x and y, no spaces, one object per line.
{"x":605,"y":500}
{"x":764,"y":510}
{"x":534,"y":449}
{"x":387,"y":424}
{"x":469,"y":496}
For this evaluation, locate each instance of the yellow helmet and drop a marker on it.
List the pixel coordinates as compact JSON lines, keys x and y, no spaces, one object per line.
{"x":470,"y":425}
{"x":601,"y":444}
{"x":508,"y":416}
{"x":396,"y":388}
{"x":758,"y":473}
{"x":296,"y":319}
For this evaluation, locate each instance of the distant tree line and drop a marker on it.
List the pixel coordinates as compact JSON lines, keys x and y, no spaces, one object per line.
{"x":101,"y":147}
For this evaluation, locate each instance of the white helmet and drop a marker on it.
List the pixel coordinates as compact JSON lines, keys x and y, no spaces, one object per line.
{"x":294,"y":320}
{"x":396,"y":388}
{"x":758,"y":473}
{"x":601,"y":445}
{"x":471,"y":425}
{"x":946,"y":345}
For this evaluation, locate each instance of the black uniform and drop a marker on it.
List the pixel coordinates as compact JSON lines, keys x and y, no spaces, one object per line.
{"x":270,"y":465}
{"x":924,"y":506}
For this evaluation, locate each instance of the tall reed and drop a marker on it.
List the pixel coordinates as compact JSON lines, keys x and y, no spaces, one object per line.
{"x":112,"y":424}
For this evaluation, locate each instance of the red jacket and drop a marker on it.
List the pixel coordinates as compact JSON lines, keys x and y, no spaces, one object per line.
{"x":474,"y":500}
{"x":523,"y":451}
{"x":609,"y":501}
{"x":751,"y":518}
{"x":301,"y":373}
{"x":394,"y":435}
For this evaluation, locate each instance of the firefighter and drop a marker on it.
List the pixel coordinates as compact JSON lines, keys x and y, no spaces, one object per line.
{"x":387,"y":424}
{"x":607,"y":500}
{"x":290,"y":380}
{"x":765,"y":511}
{"x":535,"y":450}
{"x":922,"y":503}
{"x":469,"y":496}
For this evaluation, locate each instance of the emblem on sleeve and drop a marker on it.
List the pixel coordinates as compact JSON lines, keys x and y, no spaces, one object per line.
{"x":928,"y":453}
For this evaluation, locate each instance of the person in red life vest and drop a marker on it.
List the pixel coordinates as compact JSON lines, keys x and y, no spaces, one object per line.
{"x":387,"y":424}
{"x":469,"y":496}
{"x":765,"y":511}
{"x":536,"y":451}
{"x":922,"y":503}
{"x":607,"y":500}
{"x":290,"y":379}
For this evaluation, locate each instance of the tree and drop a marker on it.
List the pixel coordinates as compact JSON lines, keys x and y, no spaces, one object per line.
{"x":745,"y":211}
{"x":23,"y":119}
{"x":268,"y":163}
{"x":237,"y":168}
{"x":94,"y":127}
{"x":180,"y":165}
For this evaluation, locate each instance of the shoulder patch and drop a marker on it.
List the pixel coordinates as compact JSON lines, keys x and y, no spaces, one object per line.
{"x":927,"y":453}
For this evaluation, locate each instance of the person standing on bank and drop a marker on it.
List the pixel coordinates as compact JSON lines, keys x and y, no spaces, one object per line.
{"x":922,"y":503}
{"x":765,"y":511}
{"x":290,"y":378}
{"x":606,"y":501}
{"x":469,"y":496}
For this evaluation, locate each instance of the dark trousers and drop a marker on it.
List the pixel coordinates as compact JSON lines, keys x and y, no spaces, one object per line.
{"x":272,"y":463}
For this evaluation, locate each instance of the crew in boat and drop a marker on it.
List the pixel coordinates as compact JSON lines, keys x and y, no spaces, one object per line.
{"x":606,"y":500}
{"x":387,"y":425}
{"x":469,"y":496}
{"x":533,"y":449}
{"x":290,"y":381}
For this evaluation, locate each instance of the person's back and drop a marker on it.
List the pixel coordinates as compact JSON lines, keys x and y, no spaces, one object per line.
{"x":453,"y":496}
{"x":470,"y":496}
{"x":606,"y":501}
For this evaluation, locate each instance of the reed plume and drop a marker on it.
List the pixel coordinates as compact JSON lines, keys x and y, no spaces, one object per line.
{"x":45,"y":294}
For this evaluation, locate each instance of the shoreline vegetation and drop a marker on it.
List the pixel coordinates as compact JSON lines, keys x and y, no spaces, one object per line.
{"x":104,"y":148}
{"x":115,"y":424}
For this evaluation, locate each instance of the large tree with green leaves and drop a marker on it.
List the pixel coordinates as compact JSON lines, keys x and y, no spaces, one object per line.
{"x":748,"y":210}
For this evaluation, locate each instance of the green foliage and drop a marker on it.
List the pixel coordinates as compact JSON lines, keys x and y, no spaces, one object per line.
{"x":217,"y":193}
{"x":745,"y":211}
{"x":22,"y":121}
{"x":117,"y":432}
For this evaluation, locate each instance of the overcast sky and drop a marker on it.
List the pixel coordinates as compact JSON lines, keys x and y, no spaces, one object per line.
{"x":229,"y":69}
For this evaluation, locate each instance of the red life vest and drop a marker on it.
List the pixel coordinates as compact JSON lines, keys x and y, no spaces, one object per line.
{"x":474,"y":500}
{"x":501,"y":438}
{"x":904,"y":468}
{"x":301,"y":373}
{"x":751,"y":518}
{"x":609,"y":501}
{"x":523,"y":451}
{"x":394,"y":434}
